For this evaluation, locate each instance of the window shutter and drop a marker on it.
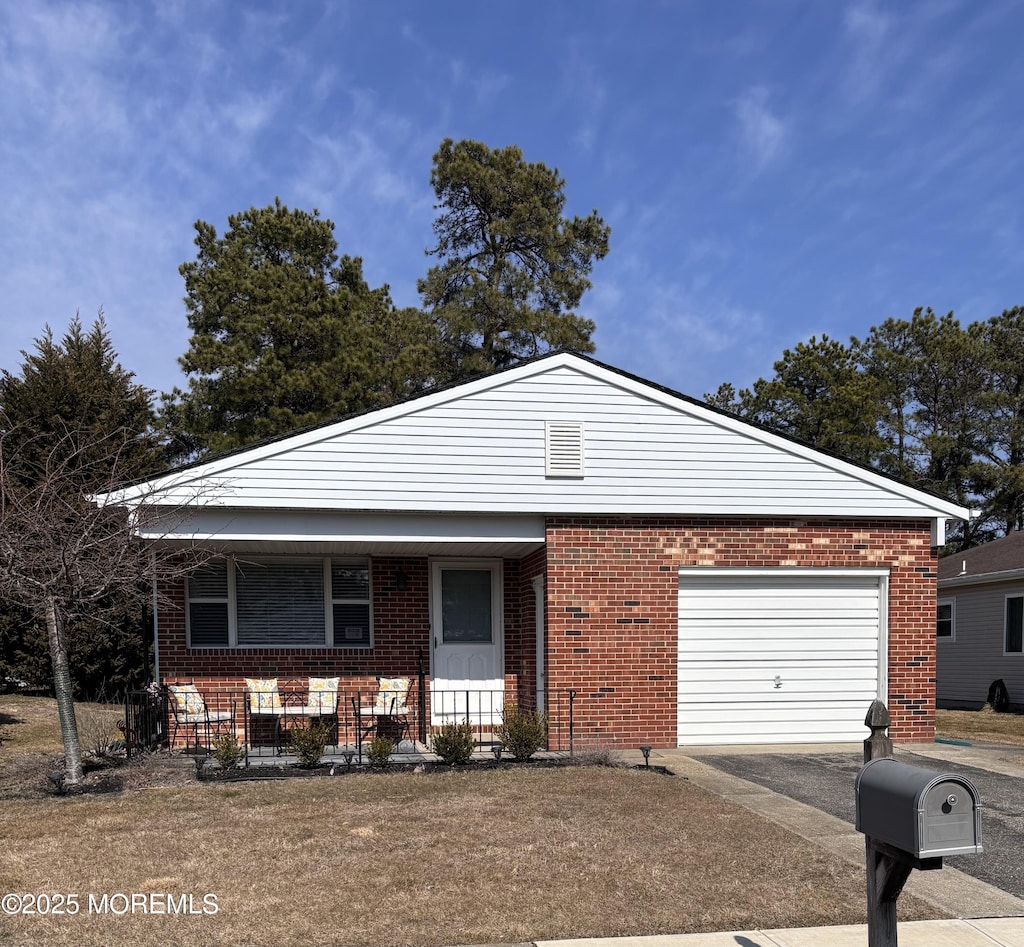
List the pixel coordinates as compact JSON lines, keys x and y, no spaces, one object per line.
{"x":564,"y":448}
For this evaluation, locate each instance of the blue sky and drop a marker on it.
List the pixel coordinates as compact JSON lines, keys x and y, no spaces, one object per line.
{"x":770,"y":170}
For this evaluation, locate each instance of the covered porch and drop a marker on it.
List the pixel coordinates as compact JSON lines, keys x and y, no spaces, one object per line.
{"x":455,"y":605}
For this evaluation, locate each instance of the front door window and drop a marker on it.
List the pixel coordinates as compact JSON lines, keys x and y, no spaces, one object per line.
{"x":466,"y":606}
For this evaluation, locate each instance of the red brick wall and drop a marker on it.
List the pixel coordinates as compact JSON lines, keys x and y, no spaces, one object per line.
{"x":401,"y":635}
{"x":611,"y":593}
{"x":612,"y":609}
{"x":401,"y":632}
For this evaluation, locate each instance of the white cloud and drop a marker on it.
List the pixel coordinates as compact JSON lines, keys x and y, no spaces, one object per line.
{"x":763,"y":134}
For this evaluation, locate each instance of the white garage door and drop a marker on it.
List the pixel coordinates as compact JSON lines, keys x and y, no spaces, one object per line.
{"x":779,"y":656}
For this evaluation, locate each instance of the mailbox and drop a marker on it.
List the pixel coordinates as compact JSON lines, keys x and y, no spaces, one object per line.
{"x":923,"y":813}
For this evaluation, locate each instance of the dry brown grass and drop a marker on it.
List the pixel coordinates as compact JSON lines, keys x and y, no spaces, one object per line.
{"x":464,"y":856}
{"x":981,"y":726}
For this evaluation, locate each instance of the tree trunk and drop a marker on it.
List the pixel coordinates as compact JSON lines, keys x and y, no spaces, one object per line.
{"x":65,"y":701}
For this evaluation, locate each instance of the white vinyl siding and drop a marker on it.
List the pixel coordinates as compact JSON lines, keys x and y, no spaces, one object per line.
{"x":280,"y":602}
{"x":483,"y":448}
{"x":779,"y":658}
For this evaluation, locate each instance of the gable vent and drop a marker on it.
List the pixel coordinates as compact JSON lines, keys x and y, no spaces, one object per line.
{"x":564,"y":445}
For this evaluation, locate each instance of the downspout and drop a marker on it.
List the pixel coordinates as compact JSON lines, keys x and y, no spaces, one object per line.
{"x":156,"y":620}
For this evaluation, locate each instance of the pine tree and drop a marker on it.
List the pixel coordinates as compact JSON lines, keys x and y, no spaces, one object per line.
{"x":285,"y":334}
{"x":511,"y":266}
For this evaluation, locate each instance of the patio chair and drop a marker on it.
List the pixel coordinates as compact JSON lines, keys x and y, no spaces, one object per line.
{"x":321,"y":702}
{"x":190,"y":710}
{"x":265,"y":702}
{"x":388,"y":715}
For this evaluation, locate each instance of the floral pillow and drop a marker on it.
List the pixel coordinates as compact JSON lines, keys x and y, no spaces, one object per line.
{"x":188,"y":698}
{"x":323,"y":694}
{"x":263,"y":696}
{"x":393,"y":693}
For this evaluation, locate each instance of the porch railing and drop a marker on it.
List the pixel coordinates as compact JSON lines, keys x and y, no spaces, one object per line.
{"x":150,"y":719}
{"x":145,"y":720}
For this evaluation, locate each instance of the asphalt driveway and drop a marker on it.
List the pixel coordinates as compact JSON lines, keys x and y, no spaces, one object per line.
{"x":827,"y":783}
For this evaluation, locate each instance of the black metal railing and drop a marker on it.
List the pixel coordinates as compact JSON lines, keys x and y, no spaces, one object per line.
{"x":145,"y":720}
{"x":355,"y":715}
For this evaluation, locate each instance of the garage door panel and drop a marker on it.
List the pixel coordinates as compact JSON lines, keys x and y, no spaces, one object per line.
{"x":783,"y":647}
{"x":818,"y":634}
{"x":762,"y":631}
{"x":794,"y":697}
{"x":757,"y":713}
{"x":738,"y":685}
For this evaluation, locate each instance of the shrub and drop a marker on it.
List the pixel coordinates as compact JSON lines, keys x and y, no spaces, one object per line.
{"x":97,"y":728}
{"x":522,"y":732}
{"x":454,"y":742}
{"x":308,"y":742}
{"x":380,"y":752}
{"x":226,"y":751}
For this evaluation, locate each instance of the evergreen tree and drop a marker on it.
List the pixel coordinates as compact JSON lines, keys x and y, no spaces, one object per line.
{"x":511,"y":267}
{"x":1000,"y":471}
{"x":71,"y":423}
{"x":70,"y":398}
{"x":818,"y":395}
{"x":285,"y":334}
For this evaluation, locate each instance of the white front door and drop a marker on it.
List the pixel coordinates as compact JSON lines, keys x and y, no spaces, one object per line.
{"x":467,"y":678}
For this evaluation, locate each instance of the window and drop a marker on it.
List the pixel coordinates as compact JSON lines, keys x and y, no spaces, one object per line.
{"x":944,"y":619}
{"x":208,"y":605}
{"x":350,"y":604}
{"x":281,"y":602}
{"x":1014,"y":641}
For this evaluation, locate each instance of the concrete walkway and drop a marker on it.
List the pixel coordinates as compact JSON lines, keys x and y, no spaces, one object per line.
{"x":992,"y":932}
{"x":985,"y":916}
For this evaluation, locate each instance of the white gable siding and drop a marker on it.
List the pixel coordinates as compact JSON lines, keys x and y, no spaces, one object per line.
{"x":483,"y":449}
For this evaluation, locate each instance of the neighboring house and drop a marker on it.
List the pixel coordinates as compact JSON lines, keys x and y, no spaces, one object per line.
{"x":980,"y":618}
{"x":693,"y":578}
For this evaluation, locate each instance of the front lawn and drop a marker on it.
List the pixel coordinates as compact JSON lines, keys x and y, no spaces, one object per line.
{"x":466,"y":856}
{"x":981,"y":726}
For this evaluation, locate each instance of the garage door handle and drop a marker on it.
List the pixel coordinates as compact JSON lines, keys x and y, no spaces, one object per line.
{"x":777,"y":682}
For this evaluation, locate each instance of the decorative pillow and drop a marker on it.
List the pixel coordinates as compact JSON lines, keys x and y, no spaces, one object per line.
{"x":188,"y":698}
{"x":323,"y":694}
{"x":393,"y":693}
{"x":263,"y":696}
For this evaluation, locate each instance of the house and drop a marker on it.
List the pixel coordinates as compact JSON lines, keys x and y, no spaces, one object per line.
{"x":562,"y":527}
{"x":979,"y":622}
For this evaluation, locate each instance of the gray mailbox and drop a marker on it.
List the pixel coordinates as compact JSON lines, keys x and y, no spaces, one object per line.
{"x":917,"y":811}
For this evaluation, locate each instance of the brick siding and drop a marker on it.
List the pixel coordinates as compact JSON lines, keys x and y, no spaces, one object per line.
{"x":612,"y":605}
{"x":611,"y":600}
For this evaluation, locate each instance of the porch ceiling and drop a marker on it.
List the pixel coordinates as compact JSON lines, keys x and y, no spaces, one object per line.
{"x":368,"y":534}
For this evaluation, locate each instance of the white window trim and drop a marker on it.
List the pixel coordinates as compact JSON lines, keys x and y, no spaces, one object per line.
{"x":951,"y":602}
{"x":329,"y":601}
{"x":1006,"y":600}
